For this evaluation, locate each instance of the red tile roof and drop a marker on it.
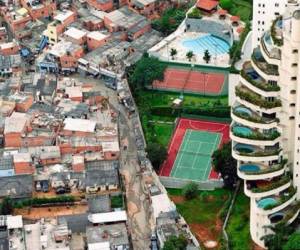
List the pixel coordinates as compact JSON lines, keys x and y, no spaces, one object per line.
{"x":207,"y":5}
{"x":222,"y":12}
{"x":235,"y":18}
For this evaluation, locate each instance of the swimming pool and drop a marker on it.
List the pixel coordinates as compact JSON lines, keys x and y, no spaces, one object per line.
{"x":266,"y":202}
{"x":244,"y":148}
{"x":249,"y":168}
{"x":243,"y":110}
{"x":215,"y":45}
{"x":275,"y":218}
{"x":242,"y":130}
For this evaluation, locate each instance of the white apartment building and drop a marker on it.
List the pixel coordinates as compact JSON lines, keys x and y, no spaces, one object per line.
{"x":265,"y":130}
{"x":264,"y":12}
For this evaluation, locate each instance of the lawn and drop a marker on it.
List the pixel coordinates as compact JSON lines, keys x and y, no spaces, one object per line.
{"x":243,"y":9}
{"x":202,"y":213}
{"x":156,"y":98}
{"x":203,"y":209}
{"x":238,"y":228}
{"x":160,"y":127}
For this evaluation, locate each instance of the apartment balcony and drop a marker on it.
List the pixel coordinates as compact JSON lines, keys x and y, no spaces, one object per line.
{"x":262,"y":67}
{"x":250,"y":153}
{"x":247,"y":117}
{"x":264,"y":188}
{"x":287,"y":215}
{"x":246,"y":135}
{"x":255,"y":101}
{"x":254,"y":171}
{"x":275,"y":203}
{"x":276,"y":32}
{"x":269,"y":50}
{"x":252,"y":80}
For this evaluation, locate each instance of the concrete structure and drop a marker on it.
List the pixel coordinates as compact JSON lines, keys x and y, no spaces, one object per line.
{"x":264,"y":12}
{"x":265,"y":129}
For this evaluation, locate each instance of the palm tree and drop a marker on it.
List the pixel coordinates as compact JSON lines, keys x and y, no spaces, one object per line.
{"x":190,"y":55}
{"x":173,"y":53}
{"x":206,"y":56}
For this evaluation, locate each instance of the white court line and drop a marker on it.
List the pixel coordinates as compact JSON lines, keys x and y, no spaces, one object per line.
{"x":177,"y":166}
{"x":195,"y":156}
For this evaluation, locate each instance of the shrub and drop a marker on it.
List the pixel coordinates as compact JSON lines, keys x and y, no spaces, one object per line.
{"x":226,"y":4}
{"x":190,"y":191}
{"x":195,"y":13}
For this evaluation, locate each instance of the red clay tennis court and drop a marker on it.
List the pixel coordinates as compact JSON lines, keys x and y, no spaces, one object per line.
{"x":198,"y":125}
{"x":192,"y":81}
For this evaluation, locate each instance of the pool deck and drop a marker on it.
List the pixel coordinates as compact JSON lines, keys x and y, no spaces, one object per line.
{"x":221,"y":60}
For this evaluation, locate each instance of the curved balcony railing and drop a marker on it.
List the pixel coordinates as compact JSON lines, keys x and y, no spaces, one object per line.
{"x":251,"y":76}
{"x":255,"y":99}
{"x":253,"y":117}
{"x":263,"y":65}
{"x":252,"y":134}
{"x":277,"y":201}
{"x":269,"y":48}
{"x":271,"y":185}
{"x":257,"y":170}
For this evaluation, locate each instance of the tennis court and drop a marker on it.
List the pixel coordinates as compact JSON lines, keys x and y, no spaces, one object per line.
{"x":193,"y":160}
{"x":201,"y":147}
{"x":192,"y":81}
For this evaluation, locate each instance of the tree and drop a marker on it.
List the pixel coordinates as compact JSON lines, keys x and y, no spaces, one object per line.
{"x":225,"y":164}
{"x":190,"y":191}
{"x":173,"y":53}
{"x":226,"y":4}
{"x":206,"y":56}
{"x":7,"y":206}
{"x":175,"y":243}
{"x":146,"y":70}
{"x":190,"y":55}
{"x":278,"y":237}
{"x":157,"y":153}
{"x":293,"y":242}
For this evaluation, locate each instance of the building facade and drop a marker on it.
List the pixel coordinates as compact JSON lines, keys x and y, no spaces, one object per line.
{"x":265,"y":129}
{"x":264,"y":12}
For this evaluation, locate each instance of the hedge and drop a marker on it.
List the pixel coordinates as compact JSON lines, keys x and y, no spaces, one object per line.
{"x":220,"y":112}
{"x":44,"y":201}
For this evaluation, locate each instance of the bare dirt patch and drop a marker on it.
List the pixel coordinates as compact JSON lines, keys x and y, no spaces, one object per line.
{"x":177,"y":199}
{"x":35,"y":213}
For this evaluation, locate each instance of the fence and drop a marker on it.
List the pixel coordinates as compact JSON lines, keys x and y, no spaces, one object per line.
{"x":171,"y":182}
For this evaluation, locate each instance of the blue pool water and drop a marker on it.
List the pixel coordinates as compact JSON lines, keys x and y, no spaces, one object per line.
{"x":243,"y":110}
{"x":265,"y":202}
{"x":274,"y":218}
{"x":242,"y":130}
{"x":253,"y":75}
{"x":244,"y":148}
{"x":215,"y":45}
{"x":249,"y":168}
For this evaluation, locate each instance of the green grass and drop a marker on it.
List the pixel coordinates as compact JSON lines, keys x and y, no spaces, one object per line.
{"x":243,"y":9}
{"x":205,"y":208}
{"x":163,"y":133}
{"x":117,"y":201}
{"x":156,"y":98}
{"x":238,"y":228}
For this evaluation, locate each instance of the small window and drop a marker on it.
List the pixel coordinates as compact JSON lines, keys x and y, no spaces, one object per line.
{"x":295,"y":51}
{"x":292,"y":117}
{"x":293,"y":92}
{"x":292,"y":105}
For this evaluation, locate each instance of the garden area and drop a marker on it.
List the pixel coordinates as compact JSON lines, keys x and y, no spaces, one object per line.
{"x":204,"y":213}
{"x":172,"y":18}
{"x":238,"y":228}
{"x":242,"y":8}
